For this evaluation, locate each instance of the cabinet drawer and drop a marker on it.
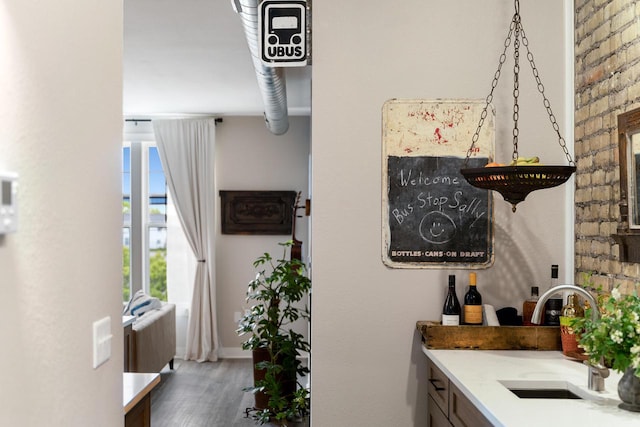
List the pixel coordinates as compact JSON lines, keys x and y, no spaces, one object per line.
{"x":438,"y":387}
{"x":462,"y":413}
{"x":436,"y":417}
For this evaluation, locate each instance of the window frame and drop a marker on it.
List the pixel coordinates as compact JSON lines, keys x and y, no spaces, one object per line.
{"x":628,"y":231}
{"x":140,"y":218}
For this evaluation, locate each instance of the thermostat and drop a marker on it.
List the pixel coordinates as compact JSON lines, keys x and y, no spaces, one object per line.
{"x":8,"y":202}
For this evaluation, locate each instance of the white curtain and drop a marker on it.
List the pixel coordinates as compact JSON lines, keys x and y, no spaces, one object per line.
{"x":186,"y":149}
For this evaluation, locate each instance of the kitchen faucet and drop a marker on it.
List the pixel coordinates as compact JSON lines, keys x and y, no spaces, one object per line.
{"x":597,"y":372}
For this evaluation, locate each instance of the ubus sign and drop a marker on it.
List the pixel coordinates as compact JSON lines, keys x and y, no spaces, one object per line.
{"x":282,"y":30}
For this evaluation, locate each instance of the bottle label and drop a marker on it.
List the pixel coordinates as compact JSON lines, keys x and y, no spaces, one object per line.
{"x":450,"y":320}
{"x":473,"y":314}
{"x":552,"y":317}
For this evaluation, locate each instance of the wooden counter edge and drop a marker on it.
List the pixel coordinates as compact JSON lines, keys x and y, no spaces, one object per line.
{"x":140,"y":394}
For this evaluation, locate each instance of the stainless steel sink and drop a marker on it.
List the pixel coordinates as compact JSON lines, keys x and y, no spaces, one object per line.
{"x":546,"y":390}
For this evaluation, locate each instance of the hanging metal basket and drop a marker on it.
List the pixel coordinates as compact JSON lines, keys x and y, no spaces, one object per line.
{"x":515,"y":182}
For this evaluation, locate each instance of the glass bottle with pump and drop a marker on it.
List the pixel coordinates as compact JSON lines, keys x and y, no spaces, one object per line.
{"x":451,"y":308}
{"x":570,"y":311}
{"x":472,"y":303}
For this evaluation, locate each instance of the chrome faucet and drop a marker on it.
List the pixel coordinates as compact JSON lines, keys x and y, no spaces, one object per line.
{"x":597,"y":372}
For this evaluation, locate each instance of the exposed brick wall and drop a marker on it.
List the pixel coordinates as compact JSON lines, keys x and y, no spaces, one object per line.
{"x":607,"y":83}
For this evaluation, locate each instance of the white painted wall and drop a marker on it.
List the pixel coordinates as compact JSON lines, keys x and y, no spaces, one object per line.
{"x":367,"y":369}
{"x":249,"y":157}
{"x":61,"y":115}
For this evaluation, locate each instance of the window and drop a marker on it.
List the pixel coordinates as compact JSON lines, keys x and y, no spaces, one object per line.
{"x":144,"y":229}
{"x":157,"y":226}
{"x":126,"y":223}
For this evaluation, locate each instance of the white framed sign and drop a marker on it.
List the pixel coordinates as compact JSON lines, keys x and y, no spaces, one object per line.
{"x":432,"y":217}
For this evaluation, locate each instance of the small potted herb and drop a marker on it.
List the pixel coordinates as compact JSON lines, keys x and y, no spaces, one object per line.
{"x":614,"y":338}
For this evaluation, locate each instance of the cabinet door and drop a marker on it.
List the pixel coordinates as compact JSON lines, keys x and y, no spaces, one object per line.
{"x":436,"y":417}
{"x":438,"y":387}
{"x":462,"y":413}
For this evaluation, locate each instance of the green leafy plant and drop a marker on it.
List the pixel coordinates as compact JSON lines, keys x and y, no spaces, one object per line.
{"x":615,"y":337}
{"x":276,"y":294}
{"x":158,"y":274}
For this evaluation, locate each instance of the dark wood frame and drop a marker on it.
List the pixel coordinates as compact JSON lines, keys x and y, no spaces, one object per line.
{"x":257,"y":212}
{"x":627,"y":237}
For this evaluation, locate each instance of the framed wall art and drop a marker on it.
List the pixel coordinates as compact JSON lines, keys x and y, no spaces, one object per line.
{"x":257,"y":212}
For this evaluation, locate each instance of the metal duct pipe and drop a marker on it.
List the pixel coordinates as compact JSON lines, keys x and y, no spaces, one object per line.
{"x":271,"y":81}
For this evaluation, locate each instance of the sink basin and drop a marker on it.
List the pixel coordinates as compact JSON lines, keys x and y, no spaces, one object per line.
{"x":545,"y":390}
{"x":544,"y":393}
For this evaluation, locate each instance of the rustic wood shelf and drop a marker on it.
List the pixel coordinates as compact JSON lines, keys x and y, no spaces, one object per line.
{"x":436,"y":336}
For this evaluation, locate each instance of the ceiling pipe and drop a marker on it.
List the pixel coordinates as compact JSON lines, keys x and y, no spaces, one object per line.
{"x":271,"y":81}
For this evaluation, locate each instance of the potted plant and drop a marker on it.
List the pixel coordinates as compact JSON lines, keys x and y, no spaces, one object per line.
{"x":614,"y":338}
{"x":276,"y":296}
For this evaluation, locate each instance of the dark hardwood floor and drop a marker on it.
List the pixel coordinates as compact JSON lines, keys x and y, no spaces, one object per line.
{"x":204,"y":395}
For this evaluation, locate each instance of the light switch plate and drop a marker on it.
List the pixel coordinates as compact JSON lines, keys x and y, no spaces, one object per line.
{"x":101,"y":341}
{"x":8,"y":202}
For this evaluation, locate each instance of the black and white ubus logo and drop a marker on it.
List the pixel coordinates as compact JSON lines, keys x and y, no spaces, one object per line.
{"x":283,"y":32}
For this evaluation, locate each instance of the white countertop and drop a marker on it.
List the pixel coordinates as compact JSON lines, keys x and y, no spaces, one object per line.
{"x":127,"y":320}
{"x":135,"y":386}
{"x":477,"y":373}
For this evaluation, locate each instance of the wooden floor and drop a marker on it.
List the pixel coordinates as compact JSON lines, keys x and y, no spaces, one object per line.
{"x":204,"y":395}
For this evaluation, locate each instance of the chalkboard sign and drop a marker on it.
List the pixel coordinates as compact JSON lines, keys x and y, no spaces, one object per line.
{"x":433,"y":218}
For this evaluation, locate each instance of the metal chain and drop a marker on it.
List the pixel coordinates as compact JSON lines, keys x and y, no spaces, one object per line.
{"x":516,"y":83}
{"x":489,"y":98}
{"x":517,"y":28}
{"x":545,"y":101}
{"x":516,"y":80}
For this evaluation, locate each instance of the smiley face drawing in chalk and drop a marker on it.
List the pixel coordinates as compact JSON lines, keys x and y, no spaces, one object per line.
{"x":437,"y":227}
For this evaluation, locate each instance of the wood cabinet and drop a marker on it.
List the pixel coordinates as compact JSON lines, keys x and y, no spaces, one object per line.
{"x":447,"y":405}
{"x":127,"y":326}
{"x":128,"y":360}
{"x":436,"y":417}
{"x":140,"y":414}
{"x":136,"y":398}
{"x":438,"y":387}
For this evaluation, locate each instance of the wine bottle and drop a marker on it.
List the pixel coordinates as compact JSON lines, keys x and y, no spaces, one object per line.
{"x":529,"y":305}
{"x":451,"y":308}
{"x":472,"y":303}
{"x":553,"y":306}
{"x":554,"y":275}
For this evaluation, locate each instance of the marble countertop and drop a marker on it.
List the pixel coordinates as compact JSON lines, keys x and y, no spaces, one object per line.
{"x":483,"y":377}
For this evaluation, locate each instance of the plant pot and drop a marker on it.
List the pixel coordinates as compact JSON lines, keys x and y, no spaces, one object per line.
{"x":260,"y":355}
{"x":629,"y":391}
{"x":287,"y":380}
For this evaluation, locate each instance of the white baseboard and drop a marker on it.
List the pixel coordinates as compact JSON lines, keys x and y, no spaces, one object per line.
{"x":233,"y":353}
{"x":180,"y":352}
{"x":239,"y":353}
{"x":223,"y":353}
